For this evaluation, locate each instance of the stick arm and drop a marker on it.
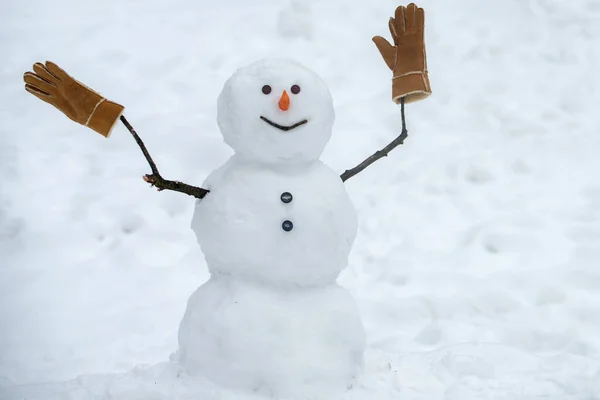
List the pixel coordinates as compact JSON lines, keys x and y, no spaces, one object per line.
{"x":349,"y":173}
{"x":155,"y":179}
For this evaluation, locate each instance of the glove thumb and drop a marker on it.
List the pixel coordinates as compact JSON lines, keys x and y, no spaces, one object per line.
{"x":388,"y":52}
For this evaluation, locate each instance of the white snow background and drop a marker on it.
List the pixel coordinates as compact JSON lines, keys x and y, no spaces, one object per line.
{"x":477,"y":263}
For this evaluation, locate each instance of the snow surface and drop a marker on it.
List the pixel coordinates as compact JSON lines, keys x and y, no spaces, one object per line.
{"x":477,"y":263}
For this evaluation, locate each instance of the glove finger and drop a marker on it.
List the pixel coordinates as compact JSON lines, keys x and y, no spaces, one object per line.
{"x":420,"y":20}
{"x":38,"y":82}
{"x":40,"y":94}
{"x":392,"y":26}
{"x":388,"y":52}
{"x":40,"y":69}
{"x":56,"y":71}
{"x":410,"y":16}
{"x":400,"y":20}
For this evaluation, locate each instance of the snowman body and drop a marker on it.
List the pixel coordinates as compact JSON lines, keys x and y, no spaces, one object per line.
{"x":288,"y":227}
{"x":264,"y":338}
{"x":276,"y":229}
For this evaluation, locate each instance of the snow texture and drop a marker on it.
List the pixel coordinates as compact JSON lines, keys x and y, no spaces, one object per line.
{"x":475,"y":267}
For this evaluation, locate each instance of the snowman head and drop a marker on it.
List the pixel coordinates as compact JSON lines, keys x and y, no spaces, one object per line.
{"x":276,"y":111}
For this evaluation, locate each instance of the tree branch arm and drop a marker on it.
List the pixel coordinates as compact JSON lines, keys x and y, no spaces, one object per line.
{"x":379,"y":153}
{"x":155,"y":179}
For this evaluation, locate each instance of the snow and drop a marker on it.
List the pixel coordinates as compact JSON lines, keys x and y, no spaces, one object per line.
{"x":272,"y":318}
{"x":239,"y":223}
{"x":475,"y":267}
{"x":242,"y":102}
{"x":257,"y":337}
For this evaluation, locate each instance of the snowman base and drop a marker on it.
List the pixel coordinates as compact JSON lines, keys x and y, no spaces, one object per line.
{"x":281,"y":341}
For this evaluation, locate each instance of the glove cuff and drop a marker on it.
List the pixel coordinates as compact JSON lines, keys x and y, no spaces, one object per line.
{"x":414,"y":86}
{"x":104,"y":117}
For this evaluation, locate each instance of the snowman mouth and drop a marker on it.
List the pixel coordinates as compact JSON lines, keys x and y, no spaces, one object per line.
{"x":283,"y":127}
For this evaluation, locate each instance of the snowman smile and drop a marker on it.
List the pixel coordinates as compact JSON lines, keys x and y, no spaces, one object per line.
{"x":283,"y":127}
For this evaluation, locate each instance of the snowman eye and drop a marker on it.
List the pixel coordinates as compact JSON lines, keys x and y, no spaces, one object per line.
{"x":266,"y":89}
{"x":295,"y":89}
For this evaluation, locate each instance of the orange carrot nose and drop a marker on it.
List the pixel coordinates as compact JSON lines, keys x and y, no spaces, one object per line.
{"x":284,"y":101}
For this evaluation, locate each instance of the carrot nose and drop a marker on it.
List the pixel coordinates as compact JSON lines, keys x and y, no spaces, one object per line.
{"x":284,"y":101}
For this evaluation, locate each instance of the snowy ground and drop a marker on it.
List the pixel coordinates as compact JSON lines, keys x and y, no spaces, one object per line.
{"x":477,"y":263}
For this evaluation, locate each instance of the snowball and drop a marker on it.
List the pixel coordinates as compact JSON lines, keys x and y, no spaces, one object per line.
{"x":278,"y":341}
{"x":239,"y":223}
{"x":242,"y":103}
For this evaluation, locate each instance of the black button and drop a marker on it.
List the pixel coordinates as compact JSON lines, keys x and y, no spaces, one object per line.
{"x":287,"y":225}
{"x":286,"y":197}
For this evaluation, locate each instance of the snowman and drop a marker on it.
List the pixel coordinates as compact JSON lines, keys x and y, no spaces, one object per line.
{"x":274,"y":223}
{"x":276,"y":230}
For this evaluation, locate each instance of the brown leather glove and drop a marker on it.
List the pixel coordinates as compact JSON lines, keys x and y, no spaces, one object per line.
{"x":407,"y":59}
{"x":77,"y":101}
